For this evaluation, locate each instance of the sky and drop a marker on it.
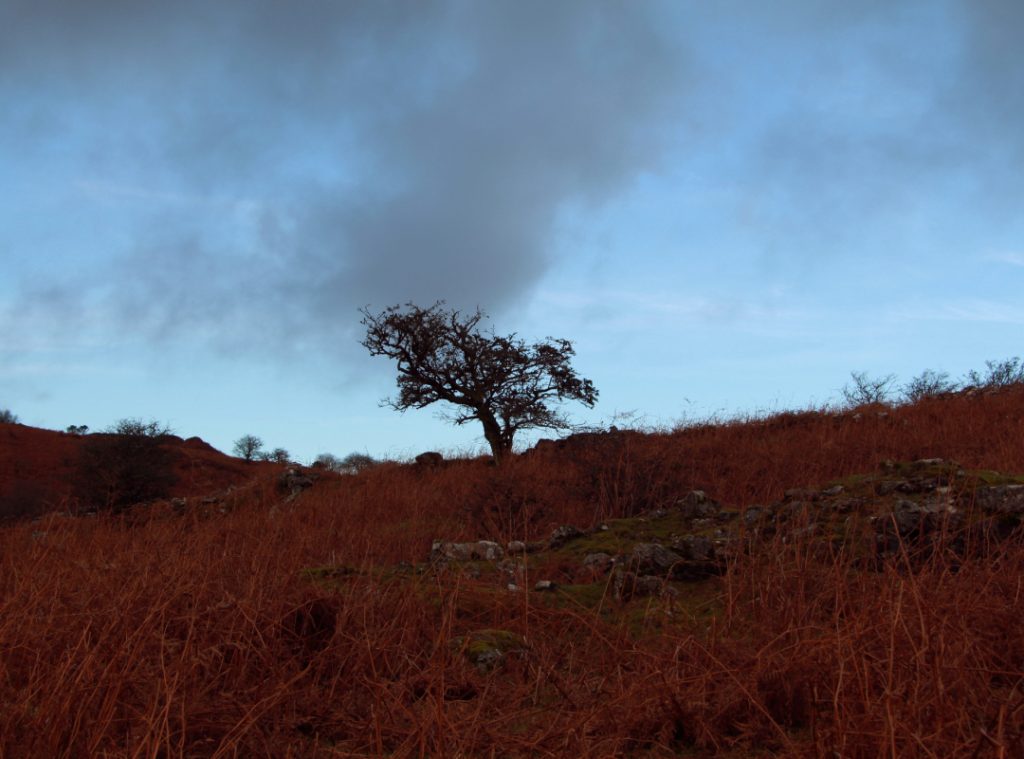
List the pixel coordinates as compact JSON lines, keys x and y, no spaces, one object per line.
{"x":727,"y":207}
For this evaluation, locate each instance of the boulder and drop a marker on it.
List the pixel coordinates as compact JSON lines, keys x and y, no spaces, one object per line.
{"x":697,"y":505}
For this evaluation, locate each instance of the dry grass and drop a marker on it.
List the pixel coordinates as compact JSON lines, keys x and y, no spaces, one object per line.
{"x":188,"y":636}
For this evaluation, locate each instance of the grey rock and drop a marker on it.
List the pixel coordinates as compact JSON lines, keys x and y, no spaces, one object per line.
{"x":598,"y":562}
{"x":562,"y":535}
{"x":697,"y":505}
{"x":695,"y":548}
{"x":544,"y":585}
{"x":754,"y":515}
{"x":629,"y":585}
{"x":889,"y":486}
{"x":653,"y":559}
{"x":485,"y":550}
{"x":294,"y":480}
{"x":1000,"y":499}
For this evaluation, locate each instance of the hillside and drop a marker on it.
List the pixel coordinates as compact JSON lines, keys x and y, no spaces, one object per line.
{"x":806,"y":584}
{"x":39,"y":468}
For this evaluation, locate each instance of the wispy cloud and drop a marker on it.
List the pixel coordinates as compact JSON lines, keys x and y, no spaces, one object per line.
{"x":1006,"y":257}
{"x":967,"y":310}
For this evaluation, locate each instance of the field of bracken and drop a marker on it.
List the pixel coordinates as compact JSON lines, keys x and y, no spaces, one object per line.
{"x":277,"y":621}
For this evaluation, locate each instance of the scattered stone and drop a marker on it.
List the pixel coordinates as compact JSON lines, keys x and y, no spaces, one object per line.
{"x":889,"y":486}
{"x":695,"y":548}
{"x":653,"y":559}
{"x":1000,"y":499}
{"x":514,"y":569}
{"x":294,"y":480}
{"x":562,"y":535}
{"x":833,"y":491}
{"x":697,"y":505}
{"x":754,"y":515}
{"x":800,"y":494}
{"x":629,"y":585}
{"x":516,"y":546}
{"x":544,"y":585}
{"x":846,"y":505}
{"x":485,"y":550}
{"x":598,"y":562}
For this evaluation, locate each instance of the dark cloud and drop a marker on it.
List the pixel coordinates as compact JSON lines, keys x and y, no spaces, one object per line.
{"x":390,"y":150}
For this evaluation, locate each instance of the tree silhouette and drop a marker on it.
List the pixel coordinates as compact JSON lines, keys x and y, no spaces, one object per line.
{"x":500,"y":381}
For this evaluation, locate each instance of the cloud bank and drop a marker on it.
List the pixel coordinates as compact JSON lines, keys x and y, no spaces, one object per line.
{"x":286,"y":163}
{"x":250,"y":173}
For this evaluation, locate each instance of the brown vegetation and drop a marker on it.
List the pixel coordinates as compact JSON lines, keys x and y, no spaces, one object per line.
{"x":305,"y":628}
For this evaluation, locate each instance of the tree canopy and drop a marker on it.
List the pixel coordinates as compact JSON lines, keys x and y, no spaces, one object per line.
{"x":501,"y":381}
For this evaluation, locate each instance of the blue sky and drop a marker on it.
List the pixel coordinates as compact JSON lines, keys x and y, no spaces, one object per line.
{"x":726,"y":206}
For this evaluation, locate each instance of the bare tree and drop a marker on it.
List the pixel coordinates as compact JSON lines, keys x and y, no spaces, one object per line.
{"x":500,"y":381}
{"x":865,"y":389}
{"x":928,"y":384}
{"x":998,"y":374}
{"x":248,"y":447}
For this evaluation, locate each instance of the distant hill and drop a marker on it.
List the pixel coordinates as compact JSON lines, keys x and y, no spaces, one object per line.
{"x":38,"y":468}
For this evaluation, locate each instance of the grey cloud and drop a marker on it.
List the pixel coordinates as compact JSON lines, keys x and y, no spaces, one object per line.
{"x":401,"y":150}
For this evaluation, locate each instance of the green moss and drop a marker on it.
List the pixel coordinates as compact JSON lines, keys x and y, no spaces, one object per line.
{"x":992,"y":478}
{"x":484,"y":648}
{"x":622,"y":534}
{"x":328,"y":573}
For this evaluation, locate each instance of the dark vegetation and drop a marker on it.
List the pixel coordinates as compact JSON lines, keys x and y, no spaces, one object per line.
{"x":126,"y":464}
{"x":263,"y":622}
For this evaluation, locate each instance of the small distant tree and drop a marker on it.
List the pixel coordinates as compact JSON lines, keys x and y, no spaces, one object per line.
{"x":327,"y":461}
{"x":137,"y":428}
{"x":500,"y":381}
{"x":998,"y":374}
{"x":8,"y":417}
{"x":248,"y":447}
{"x":279,"y":456}
{"x":127,"y":463}
{"x":357,"y":462}
{"x":864,"y":389}
{"x":77,"y":429}
{"x":351,"y":464}
{"x":928,"y":384}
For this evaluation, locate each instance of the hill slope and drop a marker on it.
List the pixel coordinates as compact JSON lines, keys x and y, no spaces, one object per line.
{"x":38,"y":468}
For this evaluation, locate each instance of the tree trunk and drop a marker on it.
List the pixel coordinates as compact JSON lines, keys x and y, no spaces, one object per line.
{"x":492,"y":432}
